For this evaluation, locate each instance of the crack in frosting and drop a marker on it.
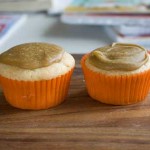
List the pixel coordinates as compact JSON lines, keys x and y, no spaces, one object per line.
{"x":119,"y":56}
{"x":32,"y":55}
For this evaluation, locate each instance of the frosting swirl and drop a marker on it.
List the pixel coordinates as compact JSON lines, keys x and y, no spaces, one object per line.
{"x":32,"y":55}
{"x":119,"y":56}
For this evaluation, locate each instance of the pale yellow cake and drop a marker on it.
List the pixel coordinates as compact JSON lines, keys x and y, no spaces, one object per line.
{"x":55,"y":69}
{"x":36,"y":75}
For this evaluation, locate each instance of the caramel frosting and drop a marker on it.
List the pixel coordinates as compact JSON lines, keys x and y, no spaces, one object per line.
{"x":119,"y":56}
{"x":32,"y":55}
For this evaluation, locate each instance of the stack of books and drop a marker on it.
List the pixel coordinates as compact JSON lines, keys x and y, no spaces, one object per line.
{"x":11,"y":18}
{"x":130,"y":34}
{"x":125,"y":20}
{"x":24,"y":5}
{"x":51,"y":6}
{"x":9,"y":24}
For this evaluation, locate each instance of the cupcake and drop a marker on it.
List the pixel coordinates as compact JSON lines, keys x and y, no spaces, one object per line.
{"x":117,"y":74}
{"x":35,"y":75}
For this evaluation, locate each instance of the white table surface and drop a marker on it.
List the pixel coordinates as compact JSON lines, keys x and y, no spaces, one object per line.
{"x":44,"y":28}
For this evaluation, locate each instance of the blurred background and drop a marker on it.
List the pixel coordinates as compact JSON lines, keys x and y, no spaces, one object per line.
{"x":77,"y":25}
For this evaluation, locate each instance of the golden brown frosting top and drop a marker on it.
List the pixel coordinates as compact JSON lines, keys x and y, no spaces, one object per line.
{"x":119,"y":56}
{"x":32,"y":55}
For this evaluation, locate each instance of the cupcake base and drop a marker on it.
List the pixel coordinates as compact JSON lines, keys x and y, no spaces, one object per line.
{"x":114,"y":89}
{"x":36,"y":95}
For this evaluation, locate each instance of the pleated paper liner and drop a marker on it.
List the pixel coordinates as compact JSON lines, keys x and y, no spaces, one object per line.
{"x":36,"y":95}
{"x":115,"y":89}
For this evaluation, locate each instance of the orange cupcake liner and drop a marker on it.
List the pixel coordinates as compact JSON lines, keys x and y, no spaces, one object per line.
{"x":36,"y":95}
{"x":114,"y":89}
